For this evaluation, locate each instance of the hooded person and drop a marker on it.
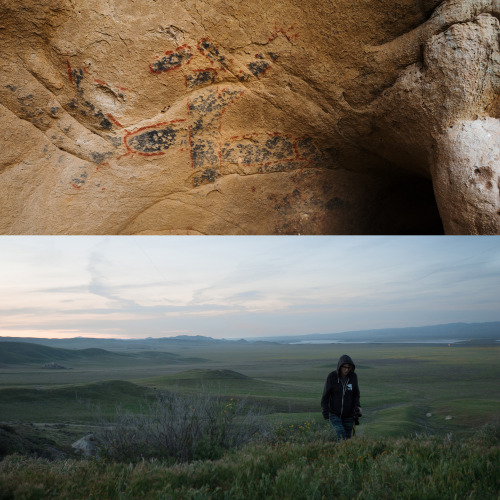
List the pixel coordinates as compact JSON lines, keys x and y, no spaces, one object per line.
{"x":340,"y":401}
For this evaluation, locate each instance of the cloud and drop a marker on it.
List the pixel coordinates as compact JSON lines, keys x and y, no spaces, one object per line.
{"x":228,"y":286}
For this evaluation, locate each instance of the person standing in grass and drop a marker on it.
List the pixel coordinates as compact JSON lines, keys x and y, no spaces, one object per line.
{"x":340,"y":401}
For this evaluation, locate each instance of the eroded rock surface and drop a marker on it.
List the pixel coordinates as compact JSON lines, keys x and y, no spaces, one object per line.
{"x":87,"y":446}
{"x":216,"y":117}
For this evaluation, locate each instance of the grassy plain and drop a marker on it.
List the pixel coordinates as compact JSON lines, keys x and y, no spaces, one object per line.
{"x":405,"y":388}
{"x":422,"y":434}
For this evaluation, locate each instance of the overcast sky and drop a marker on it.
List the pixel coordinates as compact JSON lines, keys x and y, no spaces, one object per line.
{"x":242,"y":287}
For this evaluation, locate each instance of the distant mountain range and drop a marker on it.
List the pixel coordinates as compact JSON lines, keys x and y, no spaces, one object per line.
{"x":28,"y":352}
{"x":450,"y":332}
{"x":114,"y":344}
{"x":442,"y":333}
{"x":32,"y":351}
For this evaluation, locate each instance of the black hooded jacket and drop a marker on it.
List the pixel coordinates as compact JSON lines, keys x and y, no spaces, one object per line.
{"x":341,"y":396}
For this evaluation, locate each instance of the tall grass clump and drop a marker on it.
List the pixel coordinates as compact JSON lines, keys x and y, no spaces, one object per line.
{"x":181,"y":428}
{"x":423,"y":467}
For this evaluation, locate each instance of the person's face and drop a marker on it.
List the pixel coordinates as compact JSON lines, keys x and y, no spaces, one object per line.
{"x":345,"y":370}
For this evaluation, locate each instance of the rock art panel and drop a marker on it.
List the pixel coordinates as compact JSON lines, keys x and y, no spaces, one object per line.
{"x":203,"y":117}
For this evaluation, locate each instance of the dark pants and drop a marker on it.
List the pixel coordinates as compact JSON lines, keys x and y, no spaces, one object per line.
{"x":342,"y":426}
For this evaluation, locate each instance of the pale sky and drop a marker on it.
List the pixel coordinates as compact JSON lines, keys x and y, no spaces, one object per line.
{"x":242,"y":287}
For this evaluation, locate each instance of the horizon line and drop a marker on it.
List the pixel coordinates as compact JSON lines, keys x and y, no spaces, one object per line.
{"x":245,"y":338}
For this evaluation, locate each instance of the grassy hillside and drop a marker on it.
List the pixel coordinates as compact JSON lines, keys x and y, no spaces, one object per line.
{"x":20,"y":353}
{"x":443,"y":394}
{"x":24,"y":353}
{"x":75,"y":404}
{"x":278,"y":396}
{"x":360,"y":468}
{"x":405,"y":389}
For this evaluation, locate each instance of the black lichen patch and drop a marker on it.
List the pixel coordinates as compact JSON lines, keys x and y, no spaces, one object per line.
{"x":86,"y":108}
{"x":77,"y":77}
{"x":257,"y":68}
{"x":208,"y":176}
{"x":291,"y":205}
{"x":205,"y":109}
{"x":153,"y":141}
{"x":283,"y":206}
{"x":80,"y":181}
{"x":116,"y":141}
{"x":228,"y":96}
{"x":11,"y":87}
{"x":244,"y":77}
{"x":211,"y":50}
{"x":203,"y":154}
{"x":258,"y":151}
{"x":307,"y":149}
{"x":247,"y":154}
{"x":280,"y":147}
{"x":89,"y":105}
{"x":203,"y":104}
{"x":197,"y":126}
{"x":171,"y":60}
{"x":104,"y":122}
{"x":202,"y":77}
{"x":27,"y":100}
{"x":100,"y":157}
{"x":280,"y":166}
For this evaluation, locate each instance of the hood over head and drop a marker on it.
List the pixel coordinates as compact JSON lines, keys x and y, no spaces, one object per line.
{"x":344,"y":360}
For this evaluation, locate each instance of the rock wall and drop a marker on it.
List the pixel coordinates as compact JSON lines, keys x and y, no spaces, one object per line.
{"x":218,"y":117}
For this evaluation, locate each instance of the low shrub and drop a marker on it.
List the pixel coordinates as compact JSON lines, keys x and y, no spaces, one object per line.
{"x":181,"y":427}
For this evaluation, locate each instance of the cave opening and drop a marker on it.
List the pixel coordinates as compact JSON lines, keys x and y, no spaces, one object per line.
{"x":407,"y":206}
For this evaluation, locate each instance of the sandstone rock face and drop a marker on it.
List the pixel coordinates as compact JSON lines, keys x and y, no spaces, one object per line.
{"x":217,"y":117}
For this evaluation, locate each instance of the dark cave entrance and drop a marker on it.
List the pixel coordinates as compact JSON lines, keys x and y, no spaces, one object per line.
{"x":407,"y":206}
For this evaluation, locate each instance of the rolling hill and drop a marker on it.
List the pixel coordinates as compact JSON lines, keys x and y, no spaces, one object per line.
{"x":27,"y":353}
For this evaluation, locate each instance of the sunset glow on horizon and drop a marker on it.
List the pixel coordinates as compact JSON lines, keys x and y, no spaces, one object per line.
{"x":242,"y":287}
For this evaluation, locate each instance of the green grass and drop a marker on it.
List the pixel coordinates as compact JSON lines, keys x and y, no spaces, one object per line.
{"x":396,"y":421}
{"x":75,"y":403}
{"x":16,"y":353}
{"x":400,"y":384}
{"x":360,"y":468}
{"x":27,"y":356}
{"x":230,"y":383}
{"x":420,"y":434}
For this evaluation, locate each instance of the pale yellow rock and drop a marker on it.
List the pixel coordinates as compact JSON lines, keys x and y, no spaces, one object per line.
{"x":218,"y":117}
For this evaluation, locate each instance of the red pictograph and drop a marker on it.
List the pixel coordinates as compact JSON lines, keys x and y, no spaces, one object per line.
{"x":199,"y":133}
